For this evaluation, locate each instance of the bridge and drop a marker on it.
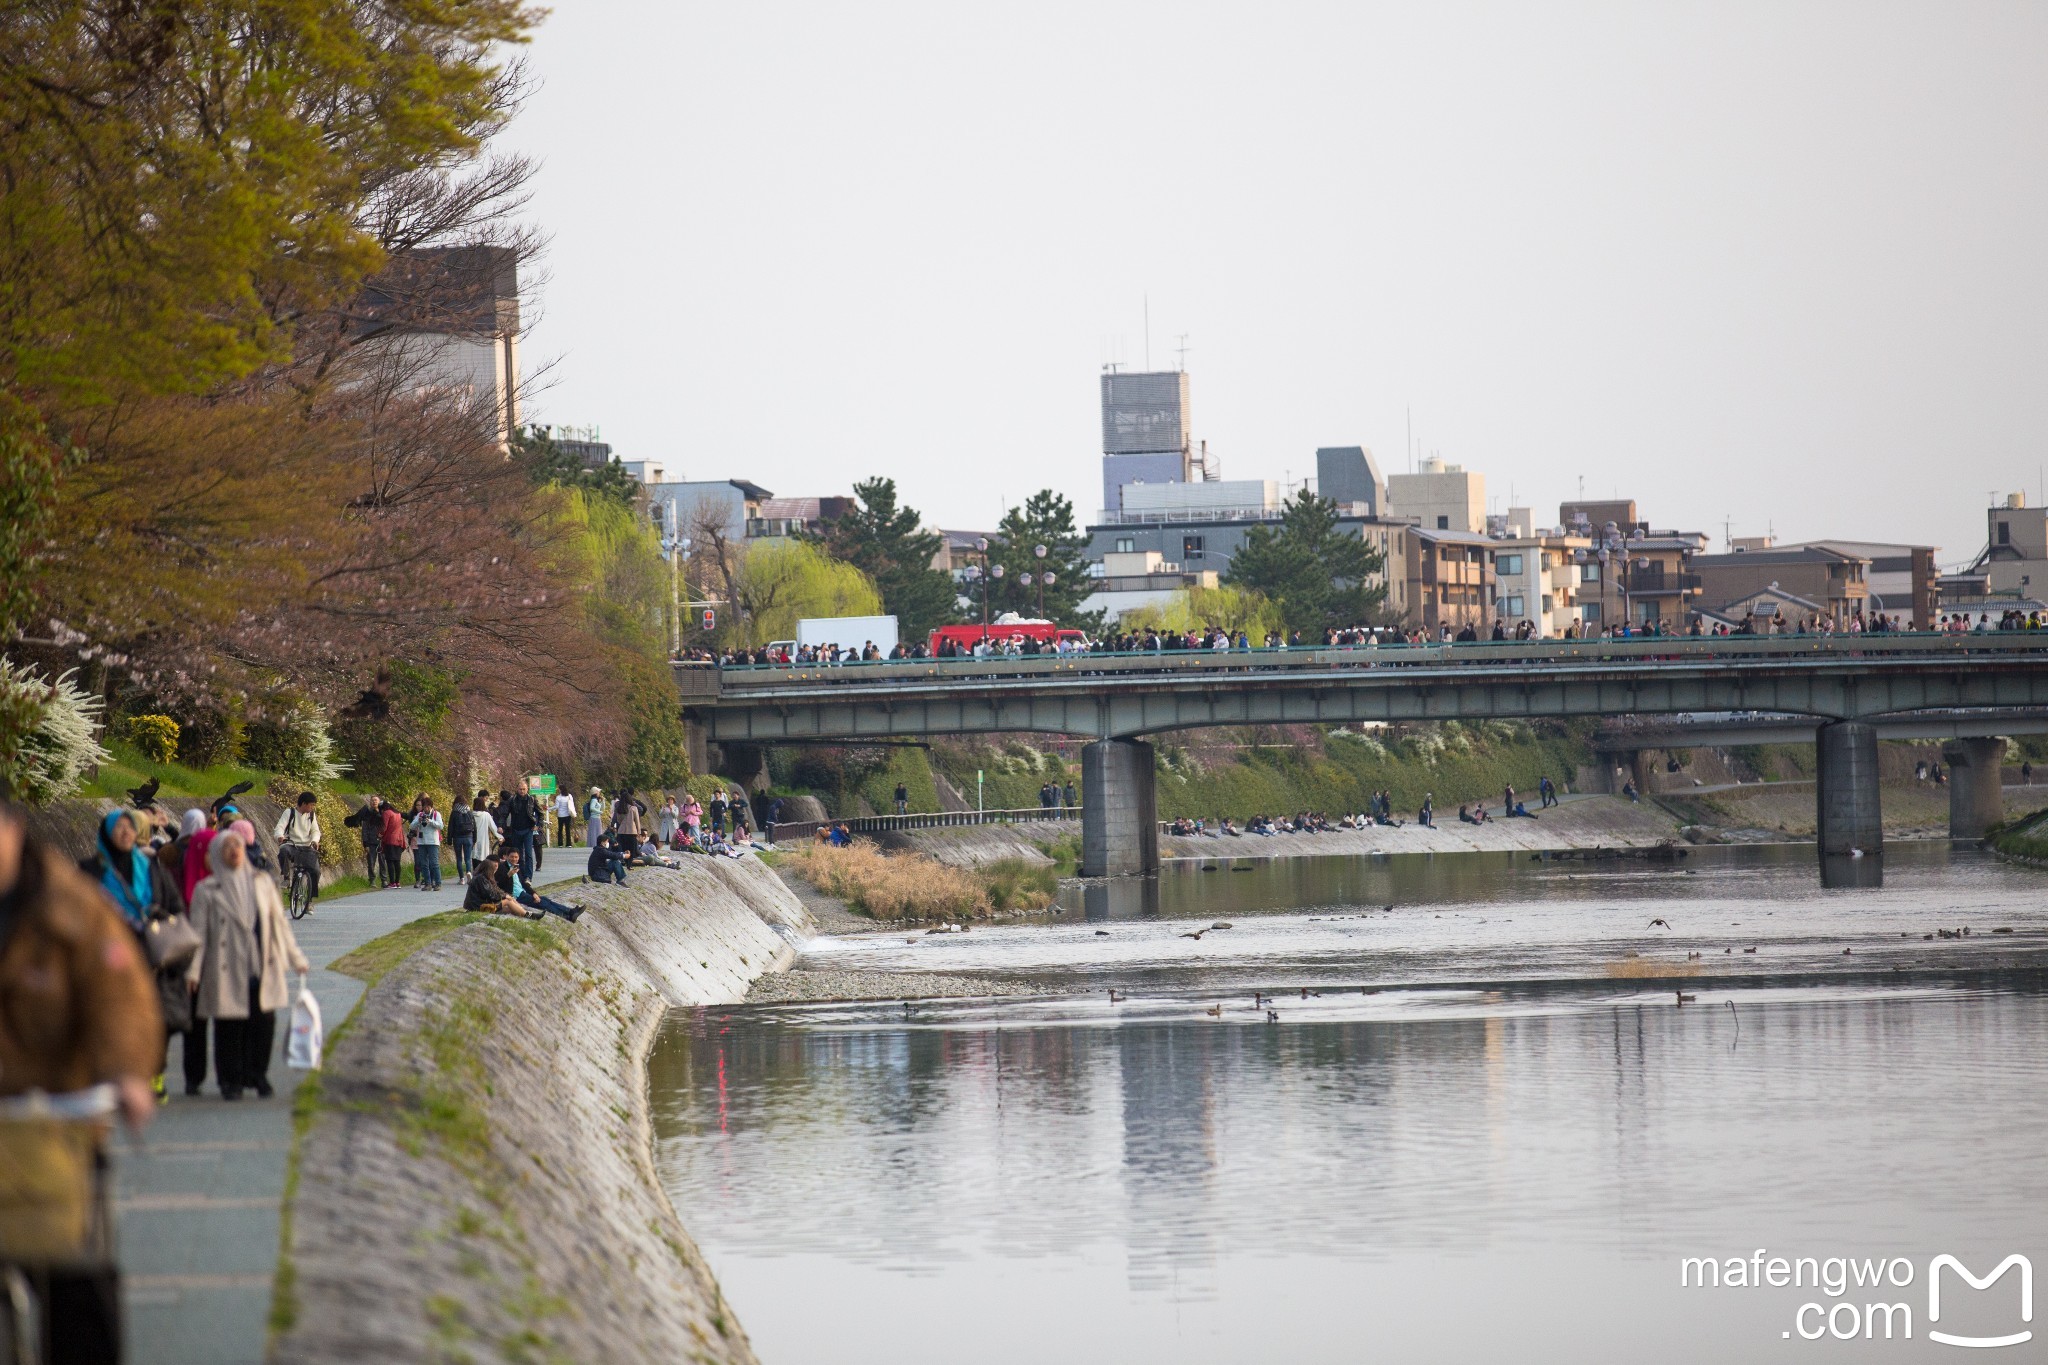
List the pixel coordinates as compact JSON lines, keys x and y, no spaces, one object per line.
{"x":1847,"y":688}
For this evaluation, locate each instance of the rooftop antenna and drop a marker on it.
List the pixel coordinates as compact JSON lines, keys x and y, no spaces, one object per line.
{"x":1148,"y":332}
{"x":1183,"y":350}
{"x":1408,"y":415}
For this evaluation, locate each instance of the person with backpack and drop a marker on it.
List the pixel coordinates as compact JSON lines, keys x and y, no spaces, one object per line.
{"x":462,"y":837}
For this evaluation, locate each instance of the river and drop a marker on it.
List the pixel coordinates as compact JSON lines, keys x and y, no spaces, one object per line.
{"x":1468,"y":1118}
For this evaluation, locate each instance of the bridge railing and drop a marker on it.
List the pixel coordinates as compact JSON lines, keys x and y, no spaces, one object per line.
{"x":708,"y":681}
{"x":785,"y":830}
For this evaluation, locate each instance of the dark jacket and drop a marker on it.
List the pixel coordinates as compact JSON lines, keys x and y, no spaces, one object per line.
{"x":483,"y":891}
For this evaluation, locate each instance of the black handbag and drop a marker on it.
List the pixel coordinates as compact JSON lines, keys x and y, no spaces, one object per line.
{"x":175,"y":998}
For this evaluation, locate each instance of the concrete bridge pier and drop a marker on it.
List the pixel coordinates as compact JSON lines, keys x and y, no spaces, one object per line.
{"x":1976,"y":797}
{"x":1119,"y":809}
{"x":1848,"y":815}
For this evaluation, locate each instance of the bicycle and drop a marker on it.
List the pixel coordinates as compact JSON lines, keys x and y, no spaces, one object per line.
{"x":299,"y":899}
{"x":56,"y":1222}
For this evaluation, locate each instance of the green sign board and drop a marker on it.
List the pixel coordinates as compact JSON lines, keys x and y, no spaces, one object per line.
{"x":541,"y":784}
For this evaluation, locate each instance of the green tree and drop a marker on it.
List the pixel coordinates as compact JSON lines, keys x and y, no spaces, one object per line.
{"x":547,"y":463}
{"x":1321,"y":578}
{"x":1228,"y":608}
{"x":1045,"y":519}
{"x":782,"y":582}
{"x":889,"y":545}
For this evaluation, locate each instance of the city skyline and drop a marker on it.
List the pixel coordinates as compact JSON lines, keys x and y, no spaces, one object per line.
{"x":1763,"y":267}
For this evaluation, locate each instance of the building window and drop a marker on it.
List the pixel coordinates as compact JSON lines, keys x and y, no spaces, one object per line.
{"x":1508,"y":564}
{"x":1443,"y":523}
{"x":1190,"y":547}
{"x":2005,"y":533}
{"x":1590,"y":613}
{"x":1549,"y":604}
{"x":1514,"y":606}
{"x":1589,"y":573}
{"x":1125,"y":545}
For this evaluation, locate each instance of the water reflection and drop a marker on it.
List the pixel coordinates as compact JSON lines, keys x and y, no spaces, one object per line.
{"x":1446,"y":1172}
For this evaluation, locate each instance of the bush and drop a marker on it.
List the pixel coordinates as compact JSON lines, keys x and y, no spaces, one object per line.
{"x":1013,"y":884}
{"x":154,"y":737}
{"x":46,"y":734}
{"x":294,"y":740}
{"x":213,"y":737}
{"x":890,"y":886}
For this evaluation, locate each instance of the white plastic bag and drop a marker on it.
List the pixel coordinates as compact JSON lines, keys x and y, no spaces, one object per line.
{"x":302,"y":1046}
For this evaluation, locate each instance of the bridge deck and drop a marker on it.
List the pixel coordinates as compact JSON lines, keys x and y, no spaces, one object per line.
{"x":1827,"y":677}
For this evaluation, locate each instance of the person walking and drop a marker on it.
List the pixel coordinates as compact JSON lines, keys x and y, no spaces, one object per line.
{"x":716,"y":812}
{"x":245,"y":945}
{"x":902,"y":799}
{"x":668,"y":817}
{"x":426,"y":855}
{"x":390,"y":843}
{"x":462,"y":836}
{"x":593,"y":817}
{"x":368,"y":823}
{"x":1067,"y":796}
{"x":565,"y":818}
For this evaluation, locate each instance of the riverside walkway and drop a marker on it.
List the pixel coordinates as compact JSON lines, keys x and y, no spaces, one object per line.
{"x":198,"y":1203}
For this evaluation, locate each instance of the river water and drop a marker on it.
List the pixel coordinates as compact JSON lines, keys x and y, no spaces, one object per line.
{"x":1479,"y":1124}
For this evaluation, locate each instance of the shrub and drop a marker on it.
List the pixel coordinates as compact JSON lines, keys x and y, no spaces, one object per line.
{"x":294,"y":740}
{"x":1013,"y":884}
{"x":214,"y":736}
{"x":46,"y":734}
{"x":890,"y":886}
{"x":155,"y":737}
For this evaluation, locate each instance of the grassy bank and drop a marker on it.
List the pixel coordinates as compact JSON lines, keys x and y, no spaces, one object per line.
{"x":1282,"y":770}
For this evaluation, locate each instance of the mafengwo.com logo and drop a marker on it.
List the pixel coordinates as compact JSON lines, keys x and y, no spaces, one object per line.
{"x":1860,"y":1298}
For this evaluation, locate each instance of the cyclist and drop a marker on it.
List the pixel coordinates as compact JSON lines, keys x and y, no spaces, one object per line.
{"x":298,"y":846}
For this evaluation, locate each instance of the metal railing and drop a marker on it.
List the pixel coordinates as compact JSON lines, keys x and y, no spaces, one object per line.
{"x":877,"y":824}
{"x":712,"y":681}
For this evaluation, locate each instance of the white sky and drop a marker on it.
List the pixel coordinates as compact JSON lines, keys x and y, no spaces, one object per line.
{"x":1781,"y":263}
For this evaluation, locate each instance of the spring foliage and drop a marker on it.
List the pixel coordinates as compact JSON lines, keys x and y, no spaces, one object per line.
{"x":47,"y":743}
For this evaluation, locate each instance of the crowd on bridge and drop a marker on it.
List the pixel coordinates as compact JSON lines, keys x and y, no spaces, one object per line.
{"x":1219,"y":639}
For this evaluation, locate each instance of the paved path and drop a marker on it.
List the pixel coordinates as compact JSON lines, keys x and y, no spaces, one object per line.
{"x":197,"y":1203}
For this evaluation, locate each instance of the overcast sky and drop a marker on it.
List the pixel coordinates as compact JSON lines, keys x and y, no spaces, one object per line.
{"x":1780,"y":264}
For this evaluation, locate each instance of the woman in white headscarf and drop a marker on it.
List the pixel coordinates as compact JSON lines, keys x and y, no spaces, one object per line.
{"x":245,"y":945}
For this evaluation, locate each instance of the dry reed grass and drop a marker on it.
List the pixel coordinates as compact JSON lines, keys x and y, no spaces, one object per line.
{"x":891,"y":886}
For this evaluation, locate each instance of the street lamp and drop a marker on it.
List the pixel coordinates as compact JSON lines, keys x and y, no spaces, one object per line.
{"x":981,"y":544}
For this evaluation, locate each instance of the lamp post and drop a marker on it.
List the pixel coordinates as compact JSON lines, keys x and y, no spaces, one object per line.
{"x":981,"y":544}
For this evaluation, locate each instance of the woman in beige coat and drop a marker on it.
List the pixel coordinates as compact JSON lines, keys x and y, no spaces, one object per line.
{"x":245,"y":944}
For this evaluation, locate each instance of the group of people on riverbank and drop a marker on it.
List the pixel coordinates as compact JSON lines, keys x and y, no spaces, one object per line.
{"x":200,"y":898}
{"x":1379,"y":812}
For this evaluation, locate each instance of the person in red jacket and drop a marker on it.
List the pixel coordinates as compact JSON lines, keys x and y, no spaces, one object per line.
{"x":391,"y":839}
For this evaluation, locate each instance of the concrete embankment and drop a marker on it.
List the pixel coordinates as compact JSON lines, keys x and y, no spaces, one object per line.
{"x":980,"y":845}
{"x":1580,"y":822}
{"x":474,"y":1177}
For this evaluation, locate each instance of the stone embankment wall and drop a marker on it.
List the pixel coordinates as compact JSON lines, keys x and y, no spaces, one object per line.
{"x":1582,"y":822}
{"x":475,"y":1181}
{"x":980,"y":845}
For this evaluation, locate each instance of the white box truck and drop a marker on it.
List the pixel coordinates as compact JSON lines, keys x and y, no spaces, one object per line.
{"x":853,"y":633}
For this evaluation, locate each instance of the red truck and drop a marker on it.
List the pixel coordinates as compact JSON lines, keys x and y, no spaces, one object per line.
{"x":1003,"y":629}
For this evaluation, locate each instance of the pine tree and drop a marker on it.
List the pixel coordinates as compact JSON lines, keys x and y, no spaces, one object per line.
{"x":1045,"y":519}
{"x":890,"y":546}
{"x":1322,"y":578}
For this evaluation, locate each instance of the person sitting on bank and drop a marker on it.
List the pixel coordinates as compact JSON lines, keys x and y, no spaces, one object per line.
{"x":1465,"y":816}
{"x":510,"y":883}
{"x":485,"y":896}
{"x":606,"y":865}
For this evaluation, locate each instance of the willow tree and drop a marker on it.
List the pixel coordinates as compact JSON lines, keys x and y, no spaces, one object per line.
{"x":782,"y":582}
